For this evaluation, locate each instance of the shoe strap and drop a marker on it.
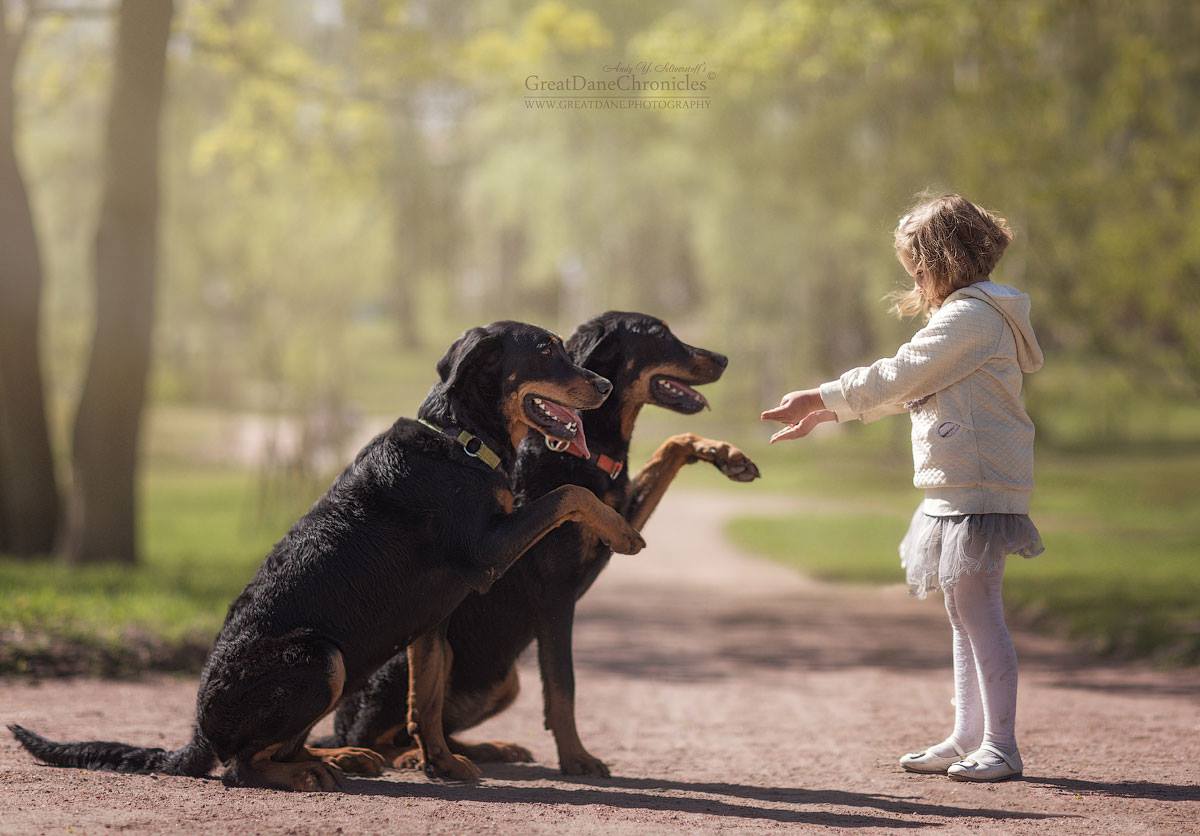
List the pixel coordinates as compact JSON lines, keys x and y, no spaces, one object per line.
{"x":1004,"y":756}
{"x":928,"y":753}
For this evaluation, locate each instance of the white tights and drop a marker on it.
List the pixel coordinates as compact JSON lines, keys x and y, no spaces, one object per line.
{"x":985,"y":665}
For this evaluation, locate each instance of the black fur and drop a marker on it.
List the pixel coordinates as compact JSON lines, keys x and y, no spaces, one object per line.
{"x":537,"y":599}
{"x":193,"y":759}
{"x":402,"y":536}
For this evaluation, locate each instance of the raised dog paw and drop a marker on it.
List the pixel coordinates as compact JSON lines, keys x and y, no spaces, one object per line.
{"x":728,"y":459}
{"x":581,"y":763}
{"x":613,"y":529}
{"x":626,"y":541}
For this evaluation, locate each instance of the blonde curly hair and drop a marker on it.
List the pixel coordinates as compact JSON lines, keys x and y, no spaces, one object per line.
{"x":952,"y":243}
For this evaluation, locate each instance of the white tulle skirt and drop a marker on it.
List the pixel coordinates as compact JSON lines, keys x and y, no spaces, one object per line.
{"x":937,"y":551}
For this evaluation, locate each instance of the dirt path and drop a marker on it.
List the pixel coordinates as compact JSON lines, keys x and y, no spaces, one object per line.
{"x":725,"y":692}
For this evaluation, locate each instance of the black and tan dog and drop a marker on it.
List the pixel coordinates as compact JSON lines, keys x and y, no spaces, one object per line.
{"x":479,"y":645}
{"x":422,"y":517}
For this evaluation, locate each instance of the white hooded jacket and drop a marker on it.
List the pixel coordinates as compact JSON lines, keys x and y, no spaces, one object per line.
{"x":960,"y":378}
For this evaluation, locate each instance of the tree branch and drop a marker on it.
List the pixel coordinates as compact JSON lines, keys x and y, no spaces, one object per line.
{"x":254,"y":66}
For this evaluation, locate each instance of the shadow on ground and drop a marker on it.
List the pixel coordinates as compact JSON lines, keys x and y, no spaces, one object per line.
{"x":1121,"y":789}
{"x":645,"y":794}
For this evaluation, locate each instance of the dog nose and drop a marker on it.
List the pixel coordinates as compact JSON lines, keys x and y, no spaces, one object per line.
{"x":720,"y":359}
{"x":602,"y":385}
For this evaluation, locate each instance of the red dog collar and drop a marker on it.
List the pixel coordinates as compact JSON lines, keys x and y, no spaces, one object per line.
{"x":608,"y":464}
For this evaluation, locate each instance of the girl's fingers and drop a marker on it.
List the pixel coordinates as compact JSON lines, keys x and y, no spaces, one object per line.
{"x":804,"y":426}
{"x":779,"y":413}
{"x":789,"y":432}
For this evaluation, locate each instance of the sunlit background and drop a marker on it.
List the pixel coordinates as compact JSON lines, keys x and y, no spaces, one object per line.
{"x":344,"y":186}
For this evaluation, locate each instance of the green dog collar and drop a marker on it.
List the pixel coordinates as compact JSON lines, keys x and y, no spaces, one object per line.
{"x":471,"y":444}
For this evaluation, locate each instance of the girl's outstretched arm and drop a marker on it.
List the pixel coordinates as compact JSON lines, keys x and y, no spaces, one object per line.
{"x":960,"y":338}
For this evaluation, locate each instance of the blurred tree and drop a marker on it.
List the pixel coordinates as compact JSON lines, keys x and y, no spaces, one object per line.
{"x":346,"y":170}
{"x":108,"y":424}
{"x":29,"y":501}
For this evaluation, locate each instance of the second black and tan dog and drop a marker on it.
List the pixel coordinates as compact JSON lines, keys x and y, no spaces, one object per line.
{"x":420,"y":519}
{"x":467,"y":666}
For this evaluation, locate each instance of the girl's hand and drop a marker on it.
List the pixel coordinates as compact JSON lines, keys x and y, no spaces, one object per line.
{"x":795,"y":405}
{"x":805,"y":425}
{"x":801,"y":410}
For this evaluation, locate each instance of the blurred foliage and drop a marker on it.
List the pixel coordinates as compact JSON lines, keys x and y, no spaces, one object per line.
{"x":338,"y":163}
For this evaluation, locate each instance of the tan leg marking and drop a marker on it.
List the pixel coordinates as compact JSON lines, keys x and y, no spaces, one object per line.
{"x":573,"y":758}
{"x":354,"y":760}
{"x":429,"y":659}
{"x":300,"y":775}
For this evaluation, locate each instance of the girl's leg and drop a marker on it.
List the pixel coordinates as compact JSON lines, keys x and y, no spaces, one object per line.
{"x":968,"y":706}
{"x":981,"y":611}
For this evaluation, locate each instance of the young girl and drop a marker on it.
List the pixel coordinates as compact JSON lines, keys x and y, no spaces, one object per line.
{"x":959,"y":378}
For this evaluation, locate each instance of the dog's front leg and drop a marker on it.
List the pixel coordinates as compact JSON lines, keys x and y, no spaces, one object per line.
{"x":652,"y":481}
{"x":558,"y":686}
{"x":511,"y":535}
{"x":429,"y":659}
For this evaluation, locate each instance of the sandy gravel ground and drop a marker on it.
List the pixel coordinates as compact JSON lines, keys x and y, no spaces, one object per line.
{"x":726,"y":694}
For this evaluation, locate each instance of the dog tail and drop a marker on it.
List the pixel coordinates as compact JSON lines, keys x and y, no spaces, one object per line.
{"x":195,"y":758}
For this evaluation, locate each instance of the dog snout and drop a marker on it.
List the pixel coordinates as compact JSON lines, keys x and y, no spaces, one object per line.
{"x":709,"y":361}
{"x":603,"y":386}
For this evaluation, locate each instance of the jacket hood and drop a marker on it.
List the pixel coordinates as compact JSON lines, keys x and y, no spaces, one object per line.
{"x":1014,"y":306}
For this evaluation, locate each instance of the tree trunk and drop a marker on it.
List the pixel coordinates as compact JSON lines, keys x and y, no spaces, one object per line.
{"x":3,"y":505}
{"x":107,"y":427}
{"x":29,"y":499}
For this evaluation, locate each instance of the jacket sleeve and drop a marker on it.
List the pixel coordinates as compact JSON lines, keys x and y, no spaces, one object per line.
{"x":958,"y":340}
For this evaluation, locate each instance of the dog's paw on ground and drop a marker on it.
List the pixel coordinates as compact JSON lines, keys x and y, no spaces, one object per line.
{"x":581,"y":763}
{"x":493,"y":751}
{"x":352,"y":760}
{"x":454,"y":768}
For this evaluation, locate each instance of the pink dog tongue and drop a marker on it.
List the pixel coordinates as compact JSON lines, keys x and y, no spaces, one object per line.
{"x":690,"y":391}
{"x":577,"y":445}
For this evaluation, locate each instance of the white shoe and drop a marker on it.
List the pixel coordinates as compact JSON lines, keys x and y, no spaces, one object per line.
{"x":987,"y":764}
{"x":931,"y":763}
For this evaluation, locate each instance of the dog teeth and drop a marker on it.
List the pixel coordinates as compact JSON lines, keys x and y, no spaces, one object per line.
{"x":549,"y":416}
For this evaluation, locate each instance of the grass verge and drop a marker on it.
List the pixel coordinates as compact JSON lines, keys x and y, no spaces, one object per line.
{"x":1121,"y":571}
{"x":204,"y":533}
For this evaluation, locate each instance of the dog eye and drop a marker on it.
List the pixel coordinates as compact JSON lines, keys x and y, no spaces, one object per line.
{"x":547,"y":349}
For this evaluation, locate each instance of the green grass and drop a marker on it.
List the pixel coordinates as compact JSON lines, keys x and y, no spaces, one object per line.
{"x":204,"y":534}
{"x":1121,"y":571}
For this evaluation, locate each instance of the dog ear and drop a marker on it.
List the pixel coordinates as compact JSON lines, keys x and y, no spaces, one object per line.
{"x":591,"y":343}
{"x":473,"y":349}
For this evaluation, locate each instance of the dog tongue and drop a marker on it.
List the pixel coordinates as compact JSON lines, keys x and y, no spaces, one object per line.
{"x":690,"y":391}
{"x":578,"y":446}
{"x":566,"y":415}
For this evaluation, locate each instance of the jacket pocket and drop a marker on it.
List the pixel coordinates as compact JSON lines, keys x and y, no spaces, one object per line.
{"x":953,"y":445}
